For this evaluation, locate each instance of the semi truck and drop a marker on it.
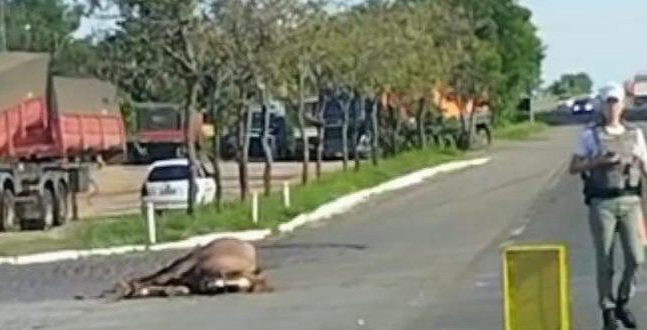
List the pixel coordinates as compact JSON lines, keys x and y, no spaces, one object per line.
{"x":333,"y":117}
{"x":458,"y":117}
{"x":159,"y":132}
{"x":281,"y":134}
{"x":52,"y":131}
{"x":638,"y":90}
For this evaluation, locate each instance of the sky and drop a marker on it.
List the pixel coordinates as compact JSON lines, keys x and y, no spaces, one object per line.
{"x":605,"y":38}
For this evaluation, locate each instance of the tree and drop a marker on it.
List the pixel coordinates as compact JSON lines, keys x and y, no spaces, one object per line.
{"x":176,"y":40}
{"x":76,"y":57}
{"x":40,"y":25}
{"x":47,"y":26}
{"x":572,"y":85}
{"x":386,"y":60}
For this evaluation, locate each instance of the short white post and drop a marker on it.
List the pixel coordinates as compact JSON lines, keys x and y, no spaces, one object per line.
{"x":255,"y":206}
{"x":150,"y":221}
{"x":286,"y":194}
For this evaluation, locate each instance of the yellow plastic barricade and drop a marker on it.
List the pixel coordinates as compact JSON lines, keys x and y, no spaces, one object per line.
{"x":536,"y":288}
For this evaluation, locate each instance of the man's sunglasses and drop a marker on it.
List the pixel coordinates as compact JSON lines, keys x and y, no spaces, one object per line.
{"x":612,"y":100}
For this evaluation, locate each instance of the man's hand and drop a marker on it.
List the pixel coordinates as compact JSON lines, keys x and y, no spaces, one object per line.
{"x":583,"y":164}
{"x":642,"y":163}
{"x":607,"y":159}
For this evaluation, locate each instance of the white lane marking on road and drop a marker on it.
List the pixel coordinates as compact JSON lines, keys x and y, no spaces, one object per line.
{"x":517,"y":231}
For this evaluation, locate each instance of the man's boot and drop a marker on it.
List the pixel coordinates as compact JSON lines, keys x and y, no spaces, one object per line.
{"x":625,"y":316}
{"x":609,"y":319}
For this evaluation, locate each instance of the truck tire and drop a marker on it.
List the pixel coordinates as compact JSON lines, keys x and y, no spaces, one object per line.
{"x":62,"y":214}
{"x":482,"y":138}
{"x":10,"y":221}
{"x":49,"y":209}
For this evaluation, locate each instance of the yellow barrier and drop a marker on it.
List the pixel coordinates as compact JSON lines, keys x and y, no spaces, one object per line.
{"x":536,"y":289}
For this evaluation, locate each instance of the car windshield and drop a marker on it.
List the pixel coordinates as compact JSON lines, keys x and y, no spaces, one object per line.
{"x":169,"y":173}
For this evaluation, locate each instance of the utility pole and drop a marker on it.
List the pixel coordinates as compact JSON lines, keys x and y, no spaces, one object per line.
{"x":3,"y":27}
{"x":531,"y":109}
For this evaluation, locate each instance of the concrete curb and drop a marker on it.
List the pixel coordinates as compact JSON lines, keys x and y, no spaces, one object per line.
{"x":325,"y":211}
{"x":345,"y":203}
{"x":251,"y":235}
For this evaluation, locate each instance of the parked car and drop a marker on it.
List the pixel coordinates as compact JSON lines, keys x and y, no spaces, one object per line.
{"x":167,"y":185}
{"x":583,"y":106}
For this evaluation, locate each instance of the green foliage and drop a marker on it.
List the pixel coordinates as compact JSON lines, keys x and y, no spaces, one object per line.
{"x":519,"y":131}
{"x":480,"y":49}
{"x":47,"y":26}
{"x":571,"y":85}
{"x":40,"y":25}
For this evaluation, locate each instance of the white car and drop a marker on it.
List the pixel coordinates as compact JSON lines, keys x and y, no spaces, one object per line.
{"x":167,"y":185}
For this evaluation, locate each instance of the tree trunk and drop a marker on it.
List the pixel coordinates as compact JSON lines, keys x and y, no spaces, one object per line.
{"x":215,"y":112}
{"x":397,"y":127}
{"x":463,"y":141}
{"x":243,"y":149}
{"x":305,"y":164}
{"x":217,"y":170}
{"x":321,"y":133}
{"x":265,"y":141}
{"x":357,"y":109}
{"x":391,"y":127}
{"x":420,"y":122}
{"x":375,"y":132}
{"x":472,"y":126}
{"x":193,"y":85}
{"x":344,"y":131}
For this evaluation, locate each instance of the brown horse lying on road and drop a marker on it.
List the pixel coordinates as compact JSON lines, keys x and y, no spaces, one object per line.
{"x":223,"y":265}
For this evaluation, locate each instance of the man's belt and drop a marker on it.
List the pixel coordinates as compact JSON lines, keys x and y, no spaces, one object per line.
{"x":614,"y":192}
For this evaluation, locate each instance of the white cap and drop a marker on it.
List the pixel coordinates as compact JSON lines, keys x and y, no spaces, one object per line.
{"x":612,"y":90}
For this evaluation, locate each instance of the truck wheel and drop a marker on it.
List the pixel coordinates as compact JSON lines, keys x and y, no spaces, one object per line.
{"x":49,"y":209}
{"x":10,"y":221}
{"x":62,"y":205}
{"x":482,"y":138}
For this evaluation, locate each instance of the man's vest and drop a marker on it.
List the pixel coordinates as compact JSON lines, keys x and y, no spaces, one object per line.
{"x":619,"y":179}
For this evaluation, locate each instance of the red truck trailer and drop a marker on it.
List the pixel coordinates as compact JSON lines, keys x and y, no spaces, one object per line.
{"x":51,"y":129}
{"x":159,"y":132}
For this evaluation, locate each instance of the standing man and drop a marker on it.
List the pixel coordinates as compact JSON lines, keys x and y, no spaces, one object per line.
{"x":611,"y":157}
{"x":94,"y":185}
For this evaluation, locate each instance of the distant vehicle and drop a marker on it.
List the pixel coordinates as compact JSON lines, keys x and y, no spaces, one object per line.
{"x":167,"y":185}
{"x":159,"y":132}
{"x":281,"y":135}
{"x":564,"y":102}
{"x":638,"y":90}
{"x":583,"y":106}
{"x":52,"y":129}
{"x":333,"y":130}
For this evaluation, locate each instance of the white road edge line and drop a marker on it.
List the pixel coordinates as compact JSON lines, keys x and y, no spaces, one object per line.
{"x":325,"y":211}
{"x":345,"y":203}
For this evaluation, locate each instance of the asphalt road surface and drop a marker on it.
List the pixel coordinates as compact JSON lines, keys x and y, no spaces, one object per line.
{"x":423,"y":258}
